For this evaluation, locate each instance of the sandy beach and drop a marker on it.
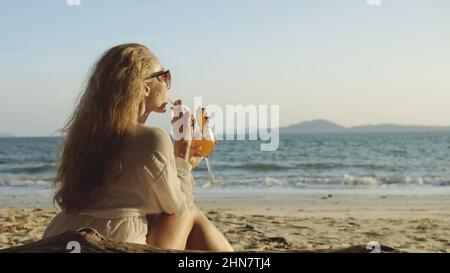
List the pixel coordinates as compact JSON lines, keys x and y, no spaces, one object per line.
{"x":412,"y":223}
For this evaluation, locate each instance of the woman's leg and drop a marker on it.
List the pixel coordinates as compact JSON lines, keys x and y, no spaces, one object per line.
{"x":192,"y":231}
{"x":205,"y":236}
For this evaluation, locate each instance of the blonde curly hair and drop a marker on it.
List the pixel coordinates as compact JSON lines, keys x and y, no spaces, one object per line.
{"x":107,"y":112}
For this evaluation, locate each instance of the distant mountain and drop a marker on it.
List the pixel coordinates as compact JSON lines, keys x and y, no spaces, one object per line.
{"x":314,"y":126}
{"x":5,"y":134}
{"x":398,"y":128}
{"x":324,"y":126}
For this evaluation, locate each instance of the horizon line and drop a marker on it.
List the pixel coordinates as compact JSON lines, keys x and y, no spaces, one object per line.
{"x":280,"y":127}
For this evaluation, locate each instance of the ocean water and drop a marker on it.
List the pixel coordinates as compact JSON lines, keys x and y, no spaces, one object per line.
{"x":390,"y":162}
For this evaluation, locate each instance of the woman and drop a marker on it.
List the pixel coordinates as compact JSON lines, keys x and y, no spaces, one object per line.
{"x":122,"y":178}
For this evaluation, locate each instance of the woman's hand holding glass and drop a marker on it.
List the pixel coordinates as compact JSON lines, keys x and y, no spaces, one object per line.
{"x":183,"y":125}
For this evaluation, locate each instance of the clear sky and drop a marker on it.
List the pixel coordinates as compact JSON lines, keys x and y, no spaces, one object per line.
{"x":341,"y":60}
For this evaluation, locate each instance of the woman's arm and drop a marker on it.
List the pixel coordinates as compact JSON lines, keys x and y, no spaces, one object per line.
{"x":173,"y":182}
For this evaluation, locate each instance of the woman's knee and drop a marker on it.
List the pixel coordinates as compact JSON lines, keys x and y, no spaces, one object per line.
{"x":187,"y":217}
{"x":198,"y":216}
{"x":190,"y":214}
{"x":171,"y":230}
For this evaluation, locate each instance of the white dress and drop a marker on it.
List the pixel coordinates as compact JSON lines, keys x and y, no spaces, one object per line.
{"x":153,"y":181}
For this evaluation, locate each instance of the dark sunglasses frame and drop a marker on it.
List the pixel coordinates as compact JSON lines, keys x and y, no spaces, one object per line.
{"x":163,"y":76}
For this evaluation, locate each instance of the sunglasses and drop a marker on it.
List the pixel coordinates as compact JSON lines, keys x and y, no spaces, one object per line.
{"x":162,"y":76}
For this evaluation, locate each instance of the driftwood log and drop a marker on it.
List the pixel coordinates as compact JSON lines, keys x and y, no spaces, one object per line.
{"x":88,"y":240}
